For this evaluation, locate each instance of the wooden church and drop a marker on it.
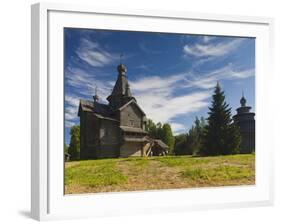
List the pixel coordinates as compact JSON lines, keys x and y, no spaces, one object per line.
{"x":116,"y":129}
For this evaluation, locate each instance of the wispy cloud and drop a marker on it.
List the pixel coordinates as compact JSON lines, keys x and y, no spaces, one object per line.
{"x":207,"y":39}
{"x":85,"y":83}
{"x":157,"y":83}
{"x":82,"y":85}
{"x":69,"y":124}
{"x":92,"y":53}
{"x":164,"y":108}
{"x":208,"y":80}
{"x":178,"y":128}
{"x":155,"y":95}
{"x":211,"y":49}
{"x":71,"y":110}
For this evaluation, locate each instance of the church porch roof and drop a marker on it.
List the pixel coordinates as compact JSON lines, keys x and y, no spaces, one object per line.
{"x":134,"y":139}
{"x":161,"y":143}
{"x":132,"y":129}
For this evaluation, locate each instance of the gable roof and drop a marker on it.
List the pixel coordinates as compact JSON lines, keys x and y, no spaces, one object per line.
{"x":94,"y":107}
{"x":130,"y":102}
{"x":86,"y":105}
{"x":161,"y":143}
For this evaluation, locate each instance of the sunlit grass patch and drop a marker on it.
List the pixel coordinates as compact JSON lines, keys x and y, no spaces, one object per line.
{"x":168,"y":172}
{"x":95,"y":173}
{"x":219,"y":173}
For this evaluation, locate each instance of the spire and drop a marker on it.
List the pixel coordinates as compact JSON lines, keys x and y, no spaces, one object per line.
{"x":121,"y":85}
{"x":96,"y":97}
{"x":121,"y":68}
{"x":121,"y":91}
{"x":128,"y":91}
{"x":243,"y":100}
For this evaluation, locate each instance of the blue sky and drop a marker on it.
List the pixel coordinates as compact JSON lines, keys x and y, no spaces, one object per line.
{"x":172,"y":76}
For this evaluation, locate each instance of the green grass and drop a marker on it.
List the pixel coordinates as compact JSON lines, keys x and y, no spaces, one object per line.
{"x":95,"y":173}
{"x":220,"y":173}
{"x":138,"y":173}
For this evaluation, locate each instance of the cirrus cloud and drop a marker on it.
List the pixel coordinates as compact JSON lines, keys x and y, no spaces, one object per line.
{"x":92,"y":53}
{"x":212,"y":49}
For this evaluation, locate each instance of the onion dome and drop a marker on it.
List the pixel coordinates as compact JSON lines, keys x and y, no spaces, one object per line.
{"x":121,"y":69}
{"x":243,"y":101}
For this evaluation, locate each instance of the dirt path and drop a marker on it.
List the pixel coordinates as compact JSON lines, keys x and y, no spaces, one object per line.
{"x":153,"y":175}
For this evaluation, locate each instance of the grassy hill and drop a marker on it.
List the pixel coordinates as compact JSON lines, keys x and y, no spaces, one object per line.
{"x":170,"y":172}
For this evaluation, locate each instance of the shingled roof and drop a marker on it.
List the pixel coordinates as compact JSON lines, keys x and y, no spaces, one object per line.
{"x":161,"y":143}
{"x":130,"y":102}
{"x":95,"y":107}
{"x":132,"y":129}
{"x":121,"y":87}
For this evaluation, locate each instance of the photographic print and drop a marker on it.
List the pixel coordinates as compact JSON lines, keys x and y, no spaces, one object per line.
{"x":152,"y":111}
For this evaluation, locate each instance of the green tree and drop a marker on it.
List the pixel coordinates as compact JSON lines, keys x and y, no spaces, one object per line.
{"x":222,"y":136}
{"x":65,"y":147}
{"x":74,"y":145}
{"x":162,"y":132}
{"x":195,"y":135}
{"x":181,"y":145}
{"x":154,"y":130}
{"x":159,"y":131}
{"x":168,"y":137}
{"x":151,"y":128}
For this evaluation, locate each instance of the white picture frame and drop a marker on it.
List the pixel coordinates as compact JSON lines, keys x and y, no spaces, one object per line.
{"x":48,"y":200}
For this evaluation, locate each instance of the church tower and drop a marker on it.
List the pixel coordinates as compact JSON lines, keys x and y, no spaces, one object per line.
{"x":121,"y":93}
{"x":245,"y":120}
{"x":116,"y":129}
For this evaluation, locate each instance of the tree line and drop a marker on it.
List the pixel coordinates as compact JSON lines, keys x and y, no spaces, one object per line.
{"x":216,"y":135}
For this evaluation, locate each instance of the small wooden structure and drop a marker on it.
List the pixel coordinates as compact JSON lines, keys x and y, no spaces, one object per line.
{"x":67,"y":157}
{"x":155,"y":147}
{"x":159,"y":148}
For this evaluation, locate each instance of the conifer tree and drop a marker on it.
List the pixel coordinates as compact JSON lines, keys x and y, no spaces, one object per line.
{"x":168,"y":137}
{"x":180,"y":146}
{"x":74,"y":145}
{"x":195,"y":135}
{"x":222,"y":136}
{"x":151,"y":128}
